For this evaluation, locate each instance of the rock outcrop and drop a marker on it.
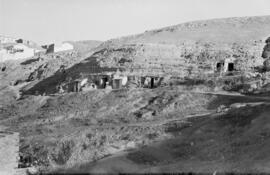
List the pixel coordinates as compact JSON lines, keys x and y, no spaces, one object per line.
{"x":190,"y":58}
{"x":190,"y":48}
{"x":266,"y":55}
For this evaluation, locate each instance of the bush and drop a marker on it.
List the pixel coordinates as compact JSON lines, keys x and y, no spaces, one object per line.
{"x":63,"y":152}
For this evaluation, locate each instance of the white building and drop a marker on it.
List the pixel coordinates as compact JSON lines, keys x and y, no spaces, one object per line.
{"x":123,"y":78}
{"x":5,"y":39}
{"x":15,"y":52}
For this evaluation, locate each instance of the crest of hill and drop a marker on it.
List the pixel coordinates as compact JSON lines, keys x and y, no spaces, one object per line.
{"x":85,"y":45}
{"x":225,"y":31}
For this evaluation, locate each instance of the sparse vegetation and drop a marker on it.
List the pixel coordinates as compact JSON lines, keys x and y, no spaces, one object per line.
{"x":198,"y":114}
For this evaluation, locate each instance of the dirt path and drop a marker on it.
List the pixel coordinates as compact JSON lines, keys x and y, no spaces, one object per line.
{"x":236,"y":94}
{"x":163,"y":122}
{"x":9,"y":149}
{"x":158,"y":122}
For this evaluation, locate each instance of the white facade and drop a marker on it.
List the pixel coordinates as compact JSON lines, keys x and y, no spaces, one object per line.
{"x":63,"y":47}
{"x":226,"y":63}
{"x":18,"y":51}
{"x":4,"y":39}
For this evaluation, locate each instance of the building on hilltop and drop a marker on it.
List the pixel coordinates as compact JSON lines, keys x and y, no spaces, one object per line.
{"x":49,"y":48}
{"x":18,"y":51}
{"x":226,"y":65}
{"x":5,"y":39}
{"x":53,"y":48}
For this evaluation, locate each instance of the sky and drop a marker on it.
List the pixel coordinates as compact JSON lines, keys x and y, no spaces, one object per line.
{"x":45,"y":21}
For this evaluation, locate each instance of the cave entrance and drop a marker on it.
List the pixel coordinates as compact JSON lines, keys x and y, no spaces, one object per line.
{"x":152,"y":83}
{"x":76,"y":87}
{"x":142,"y":81}
{"x":230,"y":67}
{"x":3,"y":69}
{"x":104,"y":81}
{"x":220,"y":66}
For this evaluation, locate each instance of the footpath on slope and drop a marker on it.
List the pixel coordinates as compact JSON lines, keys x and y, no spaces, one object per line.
{"x":9,"y":151}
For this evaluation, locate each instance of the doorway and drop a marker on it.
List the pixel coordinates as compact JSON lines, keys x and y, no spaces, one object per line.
{"x":230,"y":67}
{"x":220,"y":66}
{"x":104,"y":81}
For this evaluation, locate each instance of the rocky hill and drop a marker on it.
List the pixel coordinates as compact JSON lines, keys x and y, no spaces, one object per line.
{"x":185,"y":50}
{"x":24,"y":73}
{"x":85,"y":46}
{"x":226,"y":30}
{"x":197,"y":45}
{"x":191,"y":126}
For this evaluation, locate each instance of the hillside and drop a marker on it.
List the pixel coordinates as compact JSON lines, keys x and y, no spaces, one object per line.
{"x":227,"y":30}
{"x":75,"y":129}
{"x":197,"y":45}
{"x":185,"y":50}
{"x":198,"y":116}
{"x":17,"y":74}
{"x":235,"y":142}
{"x":85,"y":46}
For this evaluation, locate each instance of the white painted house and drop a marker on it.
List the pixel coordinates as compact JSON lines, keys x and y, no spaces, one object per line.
{"x":5,"y":39}
{"x":15,"y":52}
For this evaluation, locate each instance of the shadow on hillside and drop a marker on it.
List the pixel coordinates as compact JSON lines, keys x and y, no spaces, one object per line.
{"x":48,"y":85}
{"x":218,"y":139}
{"x":30,"y":61}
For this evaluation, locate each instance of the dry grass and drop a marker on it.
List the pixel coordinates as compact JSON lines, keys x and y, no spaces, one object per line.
{"x":75,"y":128}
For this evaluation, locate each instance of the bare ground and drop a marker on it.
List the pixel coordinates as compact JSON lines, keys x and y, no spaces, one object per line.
{"x":237,"y":141}
{"x":165,"y":126}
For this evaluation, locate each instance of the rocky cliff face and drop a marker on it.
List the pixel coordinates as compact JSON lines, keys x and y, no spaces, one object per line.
{"x":190,"y":48}
{"x":181,"y":60}
{"x":186,"y":50}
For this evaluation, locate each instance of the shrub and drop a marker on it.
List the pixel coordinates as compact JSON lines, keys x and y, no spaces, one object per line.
{"x":63,"y":152}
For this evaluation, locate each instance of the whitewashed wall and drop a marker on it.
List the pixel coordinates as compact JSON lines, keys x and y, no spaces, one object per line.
{"x":26,"y":53}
